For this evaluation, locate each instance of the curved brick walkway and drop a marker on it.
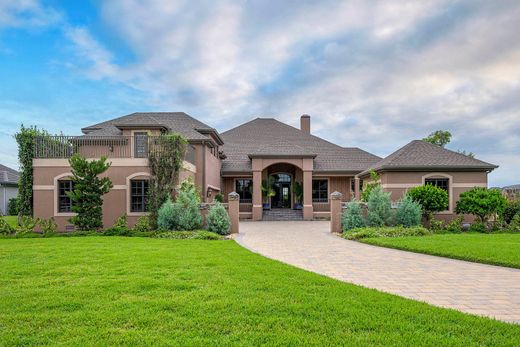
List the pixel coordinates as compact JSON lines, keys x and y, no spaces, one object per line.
{"x":470,"y":287}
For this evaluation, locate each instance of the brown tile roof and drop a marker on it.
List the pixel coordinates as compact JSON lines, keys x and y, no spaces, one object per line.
{"x":419,"y":155}
{"x":8,"y":175}
{"x":180,"y":122}
{"x":269,"y":137}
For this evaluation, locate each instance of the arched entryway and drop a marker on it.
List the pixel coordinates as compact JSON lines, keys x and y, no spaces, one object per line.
{"x":282,"y":186}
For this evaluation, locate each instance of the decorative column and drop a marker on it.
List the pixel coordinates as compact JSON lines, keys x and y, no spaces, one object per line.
{"x":234,"y":211}
{"x":357,"y":196}
{"x":335,"y":212}
{"x":307,"y":196}
{"x":257,"y":195}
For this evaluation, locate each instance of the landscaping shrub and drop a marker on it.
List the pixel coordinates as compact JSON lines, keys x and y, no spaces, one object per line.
{"x":435,"y":224}
{"x":5,"y":228}
{"x":167,"y":219}
{"x":408,"y":213}
{"x":515,"y":223}
{"x":121,"y":222}
{"x":431,"y":198}
{"x":510,"y":210}
{"x":206,"y":235}
{"x":27,"y":225}
{"x":367,"y":189}
{"x":219,"y":198}
{"x":362,"y":233}
{"x":481,"y":202}
{"x":117,"y":231}
{"x":142,"y":224}
{"x":455,"y":225}
{"x":218,"y":219}
{"x":12,"y":207}
{"x":88,"y":191}
{"x":194,"y":234}
{"x":353,"y":216}
{"x":379,"y":207}
{"x":49,"y":227}
{"x":478,"y":227}
{"x":186,"y":207}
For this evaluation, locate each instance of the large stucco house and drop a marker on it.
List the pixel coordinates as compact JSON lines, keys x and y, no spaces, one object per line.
{"x":239,"y":160}
{"x":8,"y":187}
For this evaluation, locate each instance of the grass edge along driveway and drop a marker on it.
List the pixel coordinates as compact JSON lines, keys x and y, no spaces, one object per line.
{"x":501,"y":249}
{"x":139,"y":291}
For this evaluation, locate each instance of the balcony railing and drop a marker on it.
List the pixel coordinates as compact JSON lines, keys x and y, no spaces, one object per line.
{"x":139,"y":146}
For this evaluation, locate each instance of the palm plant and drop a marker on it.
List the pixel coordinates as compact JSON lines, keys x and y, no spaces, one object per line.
{"x":298,"y":195}
{"x":267,"y":190}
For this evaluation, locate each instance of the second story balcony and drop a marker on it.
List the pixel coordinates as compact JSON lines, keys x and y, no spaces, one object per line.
{"x":137,"y":146}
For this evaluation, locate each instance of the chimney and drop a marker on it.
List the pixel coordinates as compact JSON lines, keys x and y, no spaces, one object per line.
{"x":305,"y":123}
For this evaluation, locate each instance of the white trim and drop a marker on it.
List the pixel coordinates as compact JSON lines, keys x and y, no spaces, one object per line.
{"x":128,"y":197}
{"x":55,"y":196}
{"x":315,"y":203}
{"x":469,"y":185}
{"x":43,"y":187}
{"x":116,"y":162}
{"x":118,"y":187}
{"x":450,"y":188}
{"x":399,"y":185}
{"x":213,"y":187}
{"x":257,"y":205}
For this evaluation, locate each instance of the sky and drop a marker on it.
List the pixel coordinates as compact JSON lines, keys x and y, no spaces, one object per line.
{"x":372,"y":74}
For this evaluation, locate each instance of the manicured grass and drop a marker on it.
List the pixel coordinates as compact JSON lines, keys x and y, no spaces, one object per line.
{"x":142,"y":291}
{"x":496,"y":249}
{"x":11,"y":220}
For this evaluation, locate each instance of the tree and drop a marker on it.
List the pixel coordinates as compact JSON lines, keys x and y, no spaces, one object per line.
{"x":186,"y":206}
{"x":353,"y":216}
{"x":408,"y":213}
{"x":431,"y":198}
{"x":374,"y":182}
{"x":481,"y":202}
{"x":218,"y":219}
{"x":379,"y":207}
{"x":439,"y":138}
{"x":88,"y":190}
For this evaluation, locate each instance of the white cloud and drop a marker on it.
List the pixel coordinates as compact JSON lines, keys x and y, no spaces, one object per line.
{"x":27,"y":14}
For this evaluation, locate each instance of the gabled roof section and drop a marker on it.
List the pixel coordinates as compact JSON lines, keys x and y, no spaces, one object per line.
{"x":8,"y":175}
{"x":268,"y":137}
{"x":422,"y":155}
{"x":179,"y":122}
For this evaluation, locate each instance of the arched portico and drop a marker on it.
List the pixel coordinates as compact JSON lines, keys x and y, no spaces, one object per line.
{"x":300,"y":170}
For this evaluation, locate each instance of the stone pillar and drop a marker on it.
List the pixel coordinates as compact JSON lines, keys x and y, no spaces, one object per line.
{"x":234,"y":211}
{"x":335,"y":212}
{"x":307,"y":196}
{"x":357,"y":195}
{"x":257,"y":195}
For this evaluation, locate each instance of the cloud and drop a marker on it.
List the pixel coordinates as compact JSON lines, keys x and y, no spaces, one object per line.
{"x":27,"y":14}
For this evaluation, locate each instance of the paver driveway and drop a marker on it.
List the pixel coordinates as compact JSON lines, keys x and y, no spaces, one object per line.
{"x":470,"y":287}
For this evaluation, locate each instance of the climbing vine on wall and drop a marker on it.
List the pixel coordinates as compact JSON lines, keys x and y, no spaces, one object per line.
{"x":165,"y":157}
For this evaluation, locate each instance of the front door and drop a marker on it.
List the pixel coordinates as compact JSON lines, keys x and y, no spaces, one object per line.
{"x":282,"y":188}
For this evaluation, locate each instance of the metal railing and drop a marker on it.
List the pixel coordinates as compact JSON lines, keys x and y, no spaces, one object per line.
{"x":63,"y":147}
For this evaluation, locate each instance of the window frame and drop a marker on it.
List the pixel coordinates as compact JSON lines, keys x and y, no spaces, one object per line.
{"x":240,"y":192}
{"x":320,"y":198}
{"x":144,"y":186}
{"x":144,"y":135}
{"x":60,"y":196}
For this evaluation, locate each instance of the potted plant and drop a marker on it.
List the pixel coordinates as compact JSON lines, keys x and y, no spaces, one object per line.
{"x":267,"y":192}
{"x":298,"y":195}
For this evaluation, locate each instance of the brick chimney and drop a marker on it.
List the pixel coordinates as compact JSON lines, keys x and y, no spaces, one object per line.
{"x":305,"y":123}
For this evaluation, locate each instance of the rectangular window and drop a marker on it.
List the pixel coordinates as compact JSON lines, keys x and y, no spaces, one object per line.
{"x":141,"y":145}
{"x":442,"y":183}
{"x":320,"y":190}
{"x":64,"y":201}
{"x":244,"y":188}
{"x":139,"y":196}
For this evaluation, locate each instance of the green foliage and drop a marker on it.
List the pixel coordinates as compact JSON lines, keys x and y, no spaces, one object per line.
{"x":408,"y":213}
{"x":440,"y":138}
{"x":12,"y":207}
{"x":26,"y":139}
{"x":267,"y":189}
{"x":218,"y":219}
{"x":121,"y":222}
{"x":5,"y":228}
{"x":49,"y":227}
{"x":510,"y":210}
{"x":142,"y":224}
{"x":183,"y":235}
{"x":481,"y":202}
{"x":219,"y":198}
{"x":514,"y":225}
{"x":88,"y":191}
{"x":298,"y":192}
{"x":367,"y":189}
{"x":468,"y":154}
{"x":27,"y":225}
{"x":117,"y":231}
{"x":165,"y":157}
{"x":379,"y":207}
{"x":431,"y":198}
{"x":186,"y":207}
{"x":478,"y":227}
{"x":455,"y":225}
{"x":397,"y":231}
{"x":435,"y":224}
{"x":167,"y":219}
{"x":352,"y":216}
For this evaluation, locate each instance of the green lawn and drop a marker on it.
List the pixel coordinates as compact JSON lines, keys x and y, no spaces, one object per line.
{"x":142,"y":291}
{"x":11,"y":220}
{"x":497,"y":249}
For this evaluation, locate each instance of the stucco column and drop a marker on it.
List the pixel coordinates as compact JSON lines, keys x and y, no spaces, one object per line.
{"x":234,"y":211}
{"x":357,"y":195}
{"x":307,"y":196}
{"x":335,"y":212}
{"x":257,"y":195}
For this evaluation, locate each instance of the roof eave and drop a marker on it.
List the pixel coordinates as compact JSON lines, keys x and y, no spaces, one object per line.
{"x":430,"y":168}
{"x":281,"y":156}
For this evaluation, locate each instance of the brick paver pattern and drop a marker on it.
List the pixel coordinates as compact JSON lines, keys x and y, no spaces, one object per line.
{"x":469,"y":287}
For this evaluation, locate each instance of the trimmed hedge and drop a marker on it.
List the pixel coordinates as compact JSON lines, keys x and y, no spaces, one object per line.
{"x":363,"y":233}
